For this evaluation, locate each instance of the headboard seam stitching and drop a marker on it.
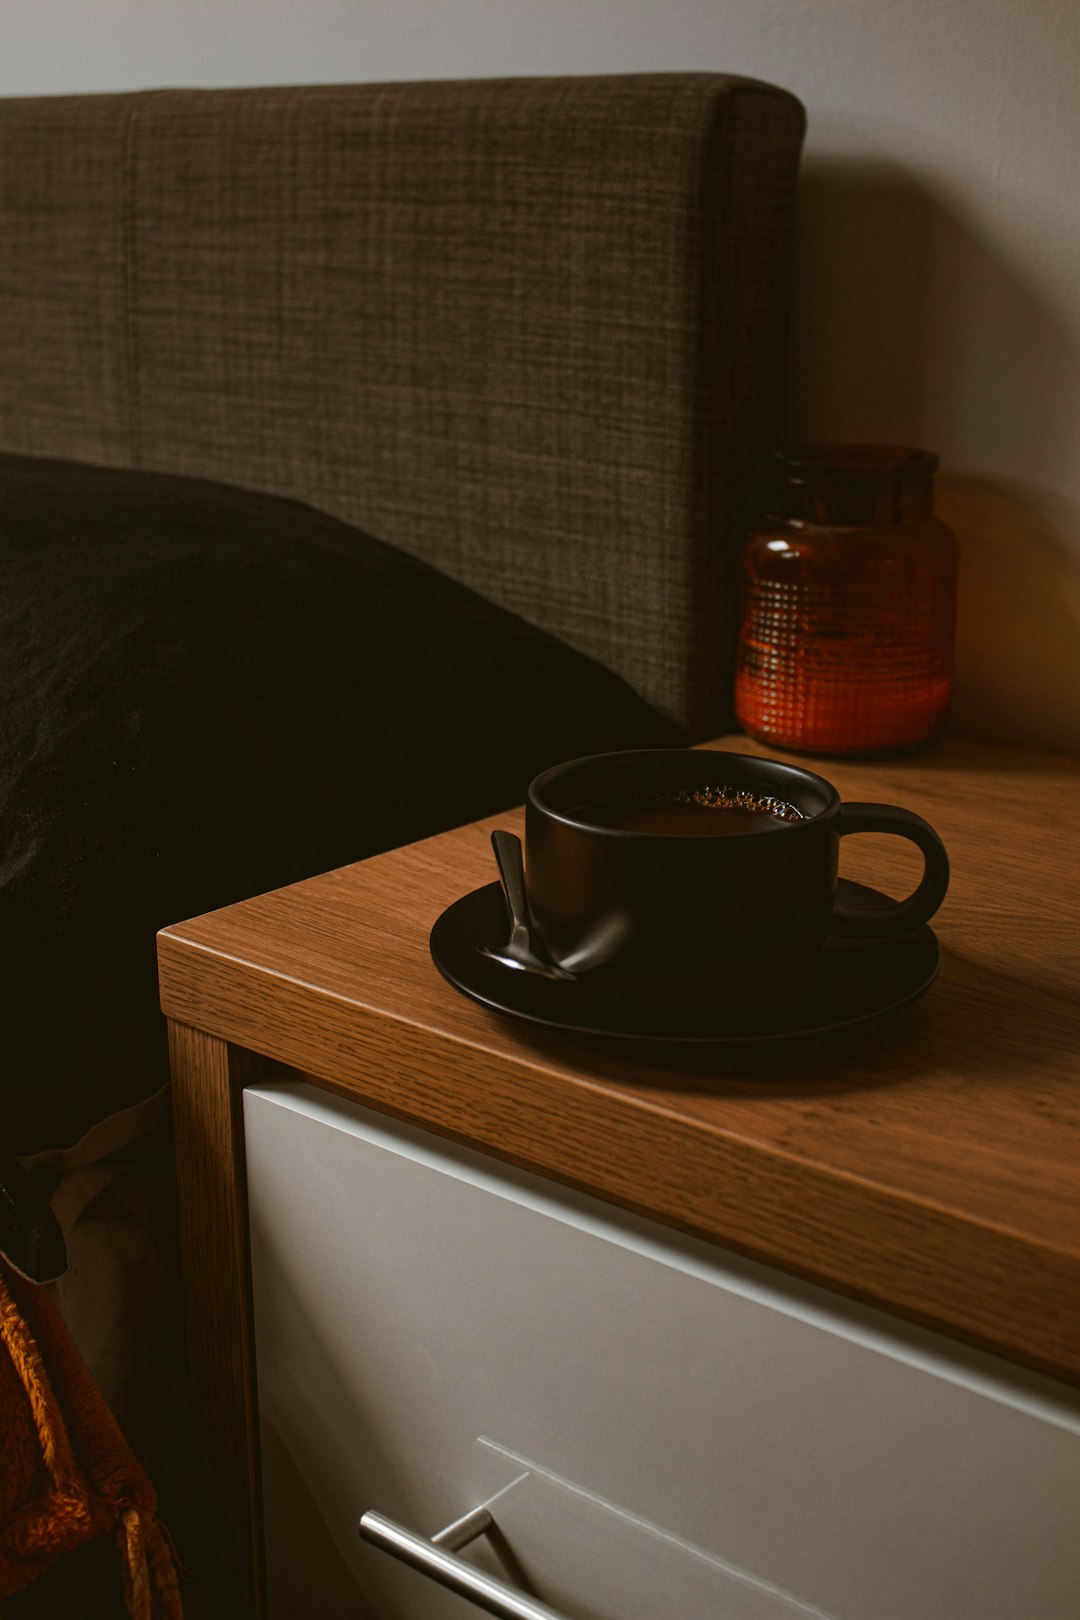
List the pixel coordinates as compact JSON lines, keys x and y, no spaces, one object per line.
{"x":129,"y":284}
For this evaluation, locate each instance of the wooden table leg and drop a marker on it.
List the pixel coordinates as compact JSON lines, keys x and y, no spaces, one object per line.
{"x":208,"y":1076}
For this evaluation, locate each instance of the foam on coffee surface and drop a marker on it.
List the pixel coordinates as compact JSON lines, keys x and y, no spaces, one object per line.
{"x":727,"y":798}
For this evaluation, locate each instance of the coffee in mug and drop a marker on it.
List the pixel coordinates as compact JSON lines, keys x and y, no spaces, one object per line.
{"x":714,"y":812}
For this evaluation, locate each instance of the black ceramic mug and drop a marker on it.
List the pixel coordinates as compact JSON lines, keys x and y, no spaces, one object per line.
{"x":690,"y":907}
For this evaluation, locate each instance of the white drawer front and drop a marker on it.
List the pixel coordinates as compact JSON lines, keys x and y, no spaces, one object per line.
{"x":422,"y":1312}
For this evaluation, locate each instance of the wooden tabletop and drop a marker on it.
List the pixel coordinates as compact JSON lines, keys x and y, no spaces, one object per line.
{"x":930,"y":1166}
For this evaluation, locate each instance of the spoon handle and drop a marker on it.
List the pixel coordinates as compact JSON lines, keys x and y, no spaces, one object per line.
{"x":507,"y":847}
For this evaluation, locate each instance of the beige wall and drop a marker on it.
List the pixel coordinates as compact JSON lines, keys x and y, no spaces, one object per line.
{"x":939,"y":245}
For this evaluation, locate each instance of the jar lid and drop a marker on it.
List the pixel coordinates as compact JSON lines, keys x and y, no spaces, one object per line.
{"x":852,"y":485}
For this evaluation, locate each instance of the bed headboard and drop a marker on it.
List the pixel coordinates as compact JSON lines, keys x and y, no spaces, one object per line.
{"x":530,"y":330}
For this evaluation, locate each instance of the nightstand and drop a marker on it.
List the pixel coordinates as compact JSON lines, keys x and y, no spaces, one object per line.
{"x":805,"y":1311}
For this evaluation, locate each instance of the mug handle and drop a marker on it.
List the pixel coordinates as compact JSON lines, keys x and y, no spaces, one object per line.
{"x":899,"y":916}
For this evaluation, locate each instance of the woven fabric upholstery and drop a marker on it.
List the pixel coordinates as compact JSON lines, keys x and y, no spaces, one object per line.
{"x":532,"y":331}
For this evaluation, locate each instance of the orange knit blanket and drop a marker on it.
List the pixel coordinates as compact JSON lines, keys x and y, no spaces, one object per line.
{"x":67,"y":1474}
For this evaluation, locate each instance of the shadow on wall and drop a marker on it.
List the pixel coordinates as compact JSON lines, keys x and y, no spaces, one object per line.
{"x":1018,"y":637}
{"x":909,"y":327}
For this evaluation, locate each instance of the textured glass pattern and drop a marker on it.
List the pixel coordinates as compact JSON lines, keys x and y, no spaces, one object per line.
{"x":846,"y":637}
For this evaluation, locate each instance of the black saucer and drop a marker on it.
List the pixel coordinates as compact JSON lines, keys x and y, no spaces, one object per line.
{"x":852,"y":982}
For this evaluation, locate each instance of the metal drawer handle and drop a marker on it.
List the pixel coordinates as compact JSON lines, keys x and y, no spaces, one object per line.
{"x":436,"y":1558}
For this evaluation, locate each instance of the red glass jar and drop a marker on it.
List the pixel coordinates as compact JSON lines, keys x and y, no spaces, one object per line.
{"x":849,"y":604}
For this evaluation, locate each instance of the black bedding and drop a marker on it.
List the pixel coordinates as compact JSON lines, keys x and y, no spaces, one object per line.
{"x":206,"y":693}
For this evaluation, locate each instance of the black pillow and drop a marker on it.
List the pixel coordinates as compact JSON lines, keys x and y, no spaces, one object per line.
{"x":206,"y":693}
